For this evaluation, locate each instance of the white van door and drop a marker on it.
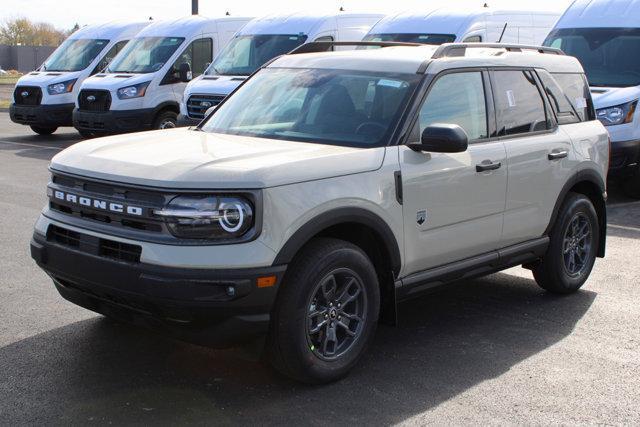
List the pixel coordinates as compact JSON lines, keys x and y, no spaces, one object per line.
{"x":198,"y":54}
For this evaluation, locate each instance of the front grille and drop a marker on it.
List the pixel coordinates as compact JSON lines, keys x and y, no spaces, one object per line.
{"x":197,"y":105}
{"x":27,"y":95}
{"x":94,"y":100}
{"x":80,"y":187}
{"x":86,"y":243}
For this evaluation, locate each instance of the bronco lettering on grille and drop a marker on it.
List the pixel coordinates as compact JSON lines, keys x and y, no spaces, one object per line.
{"x":97,"y":203}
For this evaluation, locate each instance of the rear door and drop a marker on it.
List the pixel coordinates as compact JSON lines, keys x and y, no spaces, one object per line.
{"x":538,"y":153}
{"x":451,"y":210}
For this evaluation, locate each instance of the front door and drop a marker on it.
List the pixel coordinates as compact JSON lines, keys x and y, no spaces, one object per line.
{"x":453,"y":204}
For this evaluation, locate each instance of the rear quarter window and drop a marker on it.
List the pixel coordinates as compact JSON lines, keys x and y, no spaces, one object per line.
{"x":563,"y":107}
{"x":575,"y":86}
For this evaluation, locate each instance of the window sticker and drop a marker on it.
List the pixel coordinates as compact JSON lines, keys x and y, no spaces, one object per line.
{"x":580,"y":102}
{"x":391,"y":83}
{"x":511,"y":98}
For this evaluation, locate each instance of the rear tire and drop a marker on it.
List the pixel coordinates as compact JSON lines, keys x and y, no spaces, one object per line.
{"x":41,"y":130}
{"x":166,"y":120}
{"x":572,"y":247}
{"x":87,"y":134}
{"x":326,"y":312}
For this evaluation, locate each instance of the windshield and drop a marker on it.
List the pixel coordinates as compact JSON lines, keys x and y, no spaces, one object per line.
{"x":145,"y":55}
{"x":411,"y":38}
{"x":339,"y":107}
{"x":608,"y":55}
{"x":74,"y":55}
{"x":245,"y":54}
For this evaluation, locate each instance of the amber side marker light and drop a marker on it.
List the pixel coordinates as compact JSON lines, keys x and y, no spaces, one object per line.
{"x":266,"y":282}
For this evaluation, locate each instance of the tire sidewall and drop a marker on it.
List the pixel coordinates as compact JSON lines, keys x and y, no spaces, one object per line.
{"x":576,"y":204}
{"x":167,"y":115}
{"x":294,"y":324}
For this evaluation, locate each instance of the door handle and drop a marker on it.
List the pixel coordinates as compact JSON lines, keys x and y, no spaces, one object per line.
{"x":487,"y":165}
{"x":557,"y":154}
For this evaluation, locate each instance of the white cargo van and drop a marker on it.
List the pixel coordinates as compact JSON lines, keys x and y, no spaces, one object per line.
{"x":447,"y":25}
{"x":260,"y":41}
{"x":142,"y":87}
{"x":45,"y":98}
{"x":605,"y":36}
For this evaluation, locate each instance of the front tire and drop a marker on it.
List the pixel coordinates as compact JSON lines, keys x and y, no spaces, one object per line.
{"x":572,"y":247}
{"x":326,"y":313}
{"x":41,"y":130}
{"x":166,"y":120}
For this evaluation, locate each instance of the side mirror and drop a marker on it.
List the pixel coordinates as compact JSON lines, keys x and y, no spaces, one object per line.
{"x":442,"y":138}
{"x":185,"y":72}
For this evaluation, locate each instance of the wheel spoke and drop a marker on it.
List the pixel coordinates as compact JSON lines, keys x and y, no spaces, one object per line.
{"x":329,"y":288}
{"x":330,"y":337}
{"x":314,"y":330}
{"x":346,"y":328}
{"x":317,"y":313}
{"x":345,"y":289}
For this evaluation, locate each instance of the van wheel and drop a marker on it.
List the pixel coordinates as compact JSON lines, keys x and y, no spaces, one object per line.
{"x":572,"y":247}
{"x":41,"y":130}
{"x":631,"y":185}
{"x":166,"y":120}
{"x":326,"y":312}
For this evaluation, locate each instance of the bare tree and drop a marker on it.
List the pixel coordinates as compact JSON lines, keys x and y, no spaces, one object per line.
{"x":21,"y":31}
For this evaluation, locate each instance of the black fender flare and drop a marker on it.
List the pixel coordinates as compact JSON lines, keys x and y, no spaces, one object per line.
{"x":593,"y":177}
{"x":164,"y":105}
{"x":335,"y":217}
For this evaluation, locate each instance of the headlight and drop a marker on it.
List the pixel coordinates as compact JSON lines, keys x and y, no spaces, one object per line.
{"x":208,"y":217}
{"x":135,"y":91}
{"x":62,"y":87}
{"x":618,"y":114}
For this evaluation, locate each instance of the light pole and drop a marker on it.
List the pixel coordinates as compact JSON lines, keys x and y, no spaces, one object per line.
{"x":194,"y":7}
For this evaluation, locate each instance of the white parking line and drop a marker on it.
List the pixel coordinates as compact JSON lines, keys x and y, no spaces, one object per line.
{"x":47,"y":147}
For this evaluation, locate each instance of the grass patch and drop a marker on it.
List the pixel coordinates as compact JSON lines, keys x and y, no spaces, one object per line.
{"x":9,"y":80}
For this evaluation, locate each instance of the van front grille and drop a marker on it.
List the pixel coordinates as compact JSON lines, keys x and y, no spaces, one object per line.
{"x":27,"y":95}
{"x":94,"y":100}
{"x":197,"y":105}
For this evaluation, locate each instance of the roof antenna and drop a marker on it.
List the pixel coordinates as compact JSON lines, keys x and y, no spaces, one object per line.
{"x":151,"y":18}
{"x":341,"y":9}
{"x":502,"y":33}
{"x":486,"y":5}
{"x":227,"y":13}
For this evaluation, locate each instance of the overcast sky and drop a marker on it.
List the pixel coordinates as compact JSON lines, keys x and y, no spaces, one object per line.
{"x":65,"y":13}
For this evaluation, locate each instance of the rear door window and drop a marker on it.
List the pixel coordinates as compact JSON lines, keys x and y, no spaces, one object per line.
{"x":576,"y":88}
{"x":560,"y":103}
{"x":520,"y":107}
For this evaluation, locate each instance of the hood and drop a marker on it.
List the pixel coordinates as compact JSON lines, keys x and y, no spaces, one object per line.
{"x":604,"y":97}
{"x":214,"y":85}
{"x":115,"y":80}
{"x":45,"y":78}
{"x":187,"y":159}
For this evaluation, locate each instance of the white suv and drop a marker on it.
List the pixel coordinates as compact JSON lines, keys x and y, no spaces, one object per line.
{"x":327,"y":189}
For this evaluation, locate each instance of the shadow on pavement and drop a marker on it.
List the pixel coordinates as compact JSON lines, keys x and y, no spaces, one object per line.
{"x":97,"y":370}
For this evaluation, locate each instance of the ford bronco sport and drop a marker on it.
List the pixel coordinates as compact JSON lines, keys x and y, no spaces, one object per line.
{"x":328,"y":188}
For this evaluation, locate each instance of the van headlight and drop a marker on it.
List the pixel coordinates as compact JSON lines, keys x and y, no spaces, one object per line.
{"x":135,"y":91}
{"x":208,"y":217}
{"x":618,"y":114}
{"x":62,"y":87}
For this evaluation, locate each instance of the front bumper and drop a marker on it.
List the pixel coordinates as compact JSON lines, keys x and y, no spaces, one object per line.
{"x":188,"y":304}
{"x":625,"y":157}
{"x":187,"y":121}
{"x":114,"y":121}
{"x":44,"y":115}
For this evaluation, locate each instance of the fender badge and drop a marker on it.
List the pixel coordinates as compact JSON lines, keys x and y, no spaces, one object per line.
{"x":421,"y":217}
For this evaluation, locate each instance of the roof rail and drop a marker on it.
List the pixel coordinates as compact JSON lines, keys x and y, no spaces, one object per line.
{"x":324,"y":46}
{"x":459,"y":49}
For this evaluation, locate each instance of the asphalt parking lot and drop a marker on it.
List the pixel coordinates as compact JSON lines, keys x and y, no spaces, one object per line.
{"x":496,"y":350}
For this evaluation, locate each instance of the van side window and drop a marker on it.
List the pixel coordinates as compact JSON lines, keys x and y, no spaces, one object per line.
{"x":198,"y":55}
{"x":520,"y":107}
{"x":576,"y":88}
{"x":560,"y":103}
{"x":325,"y":39}
{"x":473,"y":39}
{"x":456,"y":98}
{"x":109,"y":56}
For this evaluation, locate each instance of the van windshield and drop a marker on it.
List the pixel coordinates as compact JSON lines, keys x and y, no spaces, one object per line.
{"x":245,"y":54}
{"x":145,"y":55}
{"x":411,"y":38}
{"x":608,"y":55}
{"x":337,"y":107}
{"x":74,"y":54}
